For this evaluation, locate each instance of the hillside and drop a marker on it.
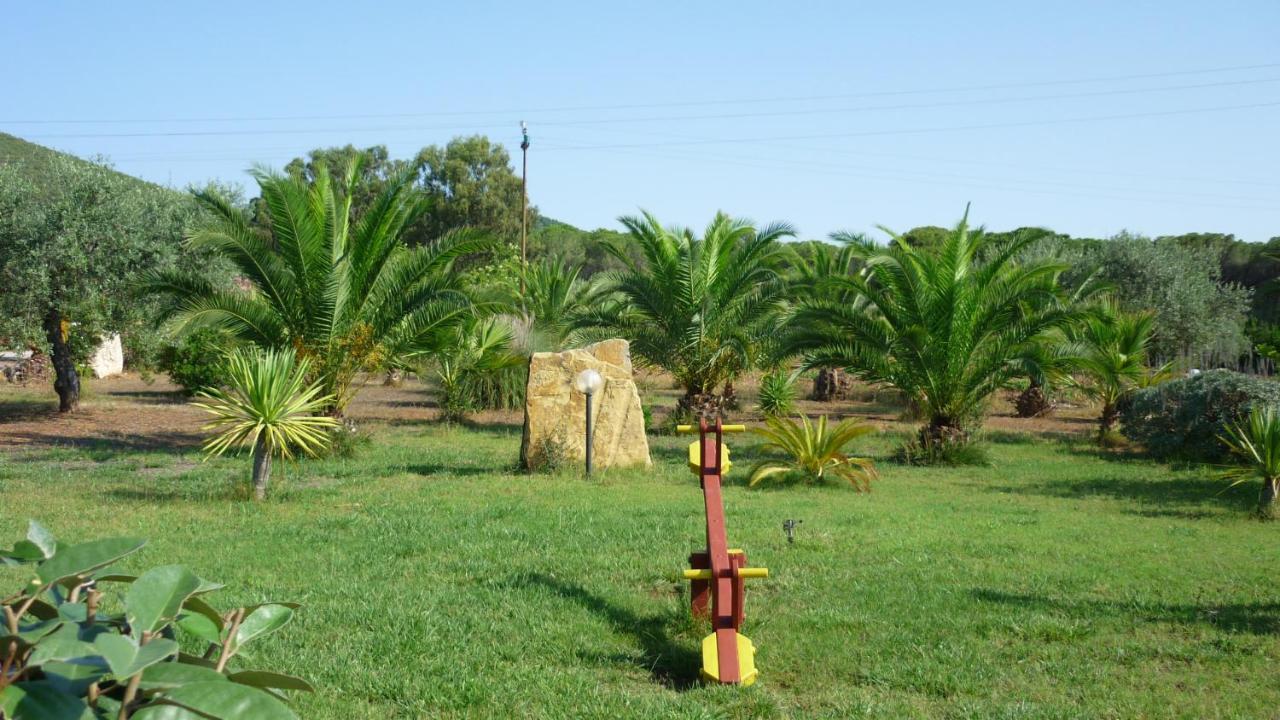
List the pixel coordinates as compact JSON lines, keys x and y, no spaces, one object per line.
{"x":36,"y":159}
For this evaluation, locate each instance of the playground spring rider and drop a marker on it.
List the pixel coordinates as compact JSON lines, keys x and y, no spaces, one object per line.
{"x":719,"y":573}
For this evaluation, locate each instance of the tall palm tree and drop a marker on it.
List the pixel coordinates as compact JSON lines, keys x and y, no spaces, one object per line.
{"x":696,"y":307}
{"x":942,"y":326}
{"x":1113,"y":355}
{"x":344,"y":292}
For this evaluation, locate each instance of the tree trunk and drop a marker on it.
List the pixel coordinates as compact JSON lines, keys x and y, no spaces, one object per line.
{"x":942,"y":431}
{"x":1033,"y":402}
{"x":261,"y":469}
{"x":729,"y":397}
{"x":1107,"y":421}
{"x":66,"y":380}
{"x":1267,"y":500}
{"x":394,"y":378}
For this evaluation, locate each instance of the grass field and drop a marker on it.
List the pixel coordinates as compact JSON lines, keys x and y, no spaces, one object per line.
{"x":439,"y":582}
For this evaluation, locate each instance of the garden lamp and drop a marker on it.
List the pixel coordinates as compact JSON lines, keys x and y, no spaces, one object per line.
{"x":588,"y":382}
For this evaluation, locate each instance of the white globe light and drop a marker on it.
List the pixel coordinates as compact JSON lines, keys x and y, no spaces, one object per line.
{"x":588,"y":382}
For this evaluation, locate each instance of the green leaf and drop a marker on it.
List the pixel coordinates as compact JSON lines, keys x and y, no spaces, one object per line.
{"x":197,"y":605}
{"x":264,"y":619}
{"x":155,"y":598}
{"x":42,"y":701}
{"x":229,"y":700}
{"x":166,"y":712}
{"x":169,"y":675}
{"x":86,"y":557}
{"x":267,"y":679}
{"x":62,"y":644}
{"x":73,"y":677}
{"x":39,"y":536}
{"x":200,"y":626}
{"x":126,"y":658}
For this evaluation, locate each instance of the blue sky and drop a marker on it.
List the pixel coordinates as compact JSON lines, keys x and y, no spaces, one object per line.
{"x":1087,"y":117}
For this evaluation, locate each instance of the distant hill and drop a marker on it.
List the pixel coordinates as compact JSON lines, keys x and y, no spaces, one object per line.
{"x":35,"y":159}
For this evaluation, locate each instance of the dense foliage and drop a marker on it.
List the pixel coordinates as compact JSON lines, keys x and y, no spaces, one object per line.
{"x":1255,"y":443}
{"x":1184,"y":418}
{"x":344,"y":291}
{"x":197,"y":360}
{"x":72,"y":649}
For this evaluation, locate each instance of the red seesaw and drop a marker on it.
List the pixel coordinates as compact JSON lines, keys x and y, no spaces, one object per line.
{"x":718,"y":575}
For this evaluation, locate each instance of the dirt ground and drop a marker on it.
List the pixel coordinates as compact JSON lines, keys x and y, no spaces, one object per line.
{"x":128,"y":412}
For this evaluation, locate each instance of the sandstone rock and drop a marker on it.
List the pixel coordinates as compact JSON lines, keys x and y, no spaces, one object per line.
{"x":108,"y":359}
{"x":554,"y":413}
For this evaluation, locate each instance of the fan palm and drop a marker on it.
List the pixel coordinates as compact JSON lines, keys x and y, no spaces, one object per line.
{"x":1113,"y":356}
{"x":944,"y":328}
{"x":696,"y":307}
{"x":813,"y":450}
{"x":1257,"y":443}
{"x":342,"y":291}
{"x":269,"y":407}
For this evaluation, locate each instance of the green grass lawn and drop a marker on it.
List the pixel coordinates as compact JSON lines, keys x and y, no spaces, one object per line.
{"x":438,"y":582}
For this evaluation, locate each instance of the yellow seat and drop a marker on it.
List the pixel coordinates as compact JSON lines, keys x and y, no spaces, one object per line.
{"x":746,"y":659}
{"x":695,"y":458}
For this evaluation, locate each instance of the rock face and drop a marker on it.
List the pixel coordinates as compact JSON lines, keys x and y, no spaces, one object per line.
{"x":554,"y":412}
{"x":108,"y":359}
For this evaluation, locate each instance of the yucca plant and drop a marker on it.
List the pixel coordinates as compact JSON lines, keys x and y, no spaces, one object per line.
{"x":1256,"y":442}
{"x":698,"y":307}
{"x":269,"y":407}
{"x":946,"y":326}
{"x":341,"y":290}
{"x":813,"y":450}
{"x":777,"y":394}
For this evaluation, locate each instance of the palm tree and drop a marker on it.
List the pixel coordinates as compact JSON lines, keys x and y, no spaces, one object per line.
{"x":555,"y":296}
{"x":1257,"y":444}
{"x":696,"y":307}
{"x":344,"y":292}
{"x":1113,"y":355}
{"x":813,"y":450}
{"x":816,"y":275}
{"x":943,"y":327}
{"x":268,"y":407}
{"x":479,"y":370}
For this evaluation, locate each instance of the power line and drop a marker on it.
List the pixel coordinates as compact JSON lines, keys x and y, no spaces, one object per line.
{"x":639,"y":106}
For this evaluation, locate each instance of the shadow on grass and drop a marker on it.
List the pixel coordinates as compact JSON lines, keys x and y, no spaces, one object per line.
{"x":1207,"y":492}
{"x":102,"y":449}
{"x":435,"y":468}
{"x":670,"y":661}
{"x":1261,"y":618}
{"x":150,"y":397}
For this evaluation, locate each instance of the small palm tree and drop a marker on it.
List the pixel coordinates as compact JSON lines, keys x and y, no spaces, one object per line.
{"x":479,"y":369}
{"x":814,"y":450}
{"x":696,"y":307}
{"x":268,"y":407}
{"x":945,"y":325}
{"x":341,"y":290}
{"x":555,"y":295}
{"x":777,"y":393}
{"x":1113,"y":356}
{"x":1257,"y":443}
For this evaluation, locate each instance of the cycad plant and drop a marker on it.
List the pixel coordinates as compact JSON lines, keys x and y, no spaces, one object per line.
{"x":555,"y":295}
{"x":698,"y":307}
{"x":344,"y":292}
{"x":479,"y":370}
{"x":946,"y":326}
{"x":813,"y":450}
{"x":269,"y":407}
{"x":1113,"y":357}
{"x":1256,"y":442}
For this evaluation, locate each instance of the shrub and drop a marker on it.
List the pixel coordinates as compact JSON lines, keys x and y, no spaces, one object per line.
{"x":813,"y":450}
{"x":1255,"y":443}
{"x":68,"y":652}
{"x":197,"y":361}
{"x":777,"y":394}
{"x":1183,"y":418}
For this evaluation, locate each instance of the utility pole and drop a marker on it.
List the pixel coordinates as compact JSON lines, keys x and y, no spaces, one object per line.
{"x":524,"y":206}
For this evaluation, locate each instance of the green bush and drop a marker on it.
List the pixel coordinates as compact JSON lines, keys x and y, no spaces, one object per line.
{"x":197,"y":361}
{"x":777,"y":394}
{"x":154,"y":648}
{"x":1183,"y":418}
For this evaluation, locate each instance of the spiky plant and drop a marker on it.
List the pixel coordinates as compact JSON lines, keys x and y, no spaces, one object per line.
{"x":269,"y":407}
{"x":813,"y":450}
{"x":555,"y":295}
{"x":698,"y":307}
{"x":1256,"y":442}
{"x":479,"y":370}
{"x":943,"y":326}
{"x":344,"y":292}
{"x":777,"y":393}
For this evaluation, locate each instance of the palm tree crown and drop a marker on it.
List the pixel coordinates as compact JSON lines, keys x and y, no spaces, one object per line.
{"x":343,"y":292}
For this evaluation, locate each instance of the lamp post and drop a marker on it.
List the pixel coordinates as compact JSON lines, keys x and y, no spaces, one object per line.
{"x":588,"y":382}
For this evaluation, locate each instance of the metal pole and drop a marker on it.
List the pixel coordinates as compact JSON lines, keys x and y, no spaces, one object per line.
{"x":524,"y":206}
{"x":588,"y":433}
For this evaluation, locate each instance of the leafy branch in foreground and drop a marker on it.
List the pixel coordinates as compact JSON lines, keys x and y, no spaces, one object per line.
{"x":268,"y":407}
{"x":813,"y":450}
{"x":67,"y":653}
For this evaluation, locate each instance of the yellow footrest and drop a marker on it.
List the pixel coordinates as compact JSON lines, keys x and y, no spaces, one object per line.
{"x":753,"y":573}
{"x":746,"y":659}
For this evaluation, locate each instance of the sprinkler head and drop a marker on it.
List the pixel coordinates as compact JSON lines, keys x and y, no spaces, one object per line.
{"x":789,"y":527}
